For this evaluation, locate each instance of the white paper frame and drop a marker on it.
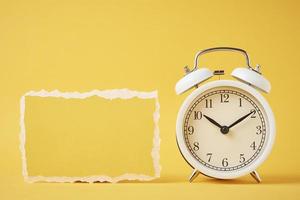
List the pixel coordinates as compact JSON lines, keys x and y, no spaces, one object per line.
{"x":106,"y":94}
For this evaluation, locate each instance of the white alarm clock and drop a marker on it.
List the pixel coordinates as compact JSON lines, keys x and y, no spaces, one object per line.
{"x":225,"y":128}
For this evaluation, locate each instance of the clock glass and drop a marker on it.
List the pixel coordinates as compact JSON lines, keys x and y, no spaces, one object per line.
{"x":225,"y":128}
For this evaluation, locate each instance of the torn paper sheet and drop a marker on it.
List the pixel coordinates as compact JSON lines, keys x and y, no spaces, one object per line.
{"x":96,"y":136}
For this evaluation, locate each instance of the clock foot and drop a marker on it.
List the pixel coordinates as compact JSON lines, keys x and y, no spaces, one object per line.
{"x":194,"y":175}
{"x":256,"y":176}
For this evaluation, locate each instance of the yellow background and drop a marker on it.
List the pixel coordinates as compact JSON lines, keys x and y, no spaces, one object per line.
{"x":143,"y":45}
{"x":89,"y":137}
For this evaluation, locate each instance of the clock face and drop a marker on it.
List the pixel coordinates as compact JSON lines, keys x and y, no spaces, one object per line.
{"x":225,"y":128}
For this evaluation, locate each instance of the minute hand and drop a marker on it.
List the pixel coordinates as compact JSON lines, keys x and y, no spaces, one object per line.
{"x":240,"y":119}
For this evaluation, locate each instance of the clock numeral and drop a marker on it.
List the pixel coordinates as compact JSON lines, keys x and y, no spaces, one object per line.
{"x":240,"y":101}
{"x":208,"y":103}
{"x":209,"y":156}
{"x":190,"y":130}
{"x":196,"y":146}
{"x":253,"y":146}
{"x":224,"y":98}
{"x":253,"y":114}
{"x":225,"y":162}
{"x":197,"y":115}
{"x":242,"y":158}
{"x":259,"y":130}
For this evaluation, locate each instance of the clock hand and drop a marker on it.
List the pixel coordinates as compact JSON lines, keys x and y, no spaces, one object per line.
{"x":240,"y":119}
{"x":213,"y":121}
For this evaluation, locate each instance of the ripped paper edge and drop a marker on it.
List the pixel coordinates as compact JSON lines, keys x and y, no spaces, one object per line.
{"x":107,"y":94}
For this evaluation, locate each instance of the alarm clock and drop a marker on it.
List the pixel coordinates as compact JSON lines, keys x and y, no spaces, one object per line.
{"x":225,"y":128}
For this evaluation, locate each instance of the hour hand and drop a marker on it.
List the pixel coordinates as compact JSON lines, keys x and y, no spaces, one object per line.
{"x":213,"y":121}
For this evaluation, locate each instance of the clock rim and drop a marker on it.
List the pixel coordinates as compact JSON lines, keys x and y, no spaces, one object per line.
{"x":225,"y":174}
